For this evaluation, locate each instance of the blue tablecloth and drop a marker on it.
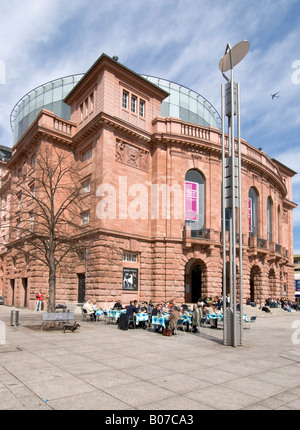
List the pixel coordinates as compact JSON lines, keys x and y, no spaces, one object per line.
{"x":161,"y":320}
{"x":186,"y":318}
{"x":113,"y":313}
{"x":141,"y":317}
{"x":214,"y":316}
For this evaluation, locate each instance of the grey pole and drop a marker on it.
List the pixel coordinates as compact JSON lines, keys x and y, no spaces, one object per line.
{"x":86,"y":273}
{"x":223,"y":212}
{"x":232,"y":194}
{"x":240,"y":213}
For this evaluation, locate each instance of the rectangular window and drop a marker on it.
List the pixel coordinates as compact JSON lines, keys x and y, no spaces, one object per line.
{"x":85,"y":217}
{"x":81,"y":112}
{"x":92,"y":101}
{"x":87,"y":154}
{"x":86,"y":186}
{"x":142,"y":108}
{"x":125,"y":100}
{"x":130,"y":257}
{"x":86,"y":107}
{"x":133,"y":104}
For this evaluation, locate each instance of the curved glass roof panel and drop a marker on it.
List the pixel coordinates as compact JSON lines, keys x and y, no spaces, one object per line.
{"x":186,"y":104}
{"x":47,"y":96}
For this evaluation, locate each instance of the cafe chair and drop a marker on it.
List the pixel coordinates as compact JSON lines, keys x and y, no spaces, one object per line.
{"x":180,"y":323}
{"x":131,"y":322}
{"x":203,"y":323}
{"x":107,"y":317}
{"x":84,"y":314}
{"x":250,"y":321}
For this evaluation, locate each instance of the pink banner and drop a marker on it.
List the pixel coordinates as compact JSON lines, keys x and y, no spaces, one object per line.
{"x":250,"y":214}
{"x":191,"y":201}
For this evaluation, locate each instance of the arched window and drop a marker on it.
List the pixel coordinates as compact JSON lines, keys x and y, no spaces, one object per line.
{"x":253,"y":212}
{"x":194,"y":199}
{"x":269,"y":218}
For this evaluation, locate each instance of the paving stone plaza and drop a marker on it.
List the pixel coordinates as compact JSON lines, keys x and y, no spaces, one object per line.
{"x":99,"y":367}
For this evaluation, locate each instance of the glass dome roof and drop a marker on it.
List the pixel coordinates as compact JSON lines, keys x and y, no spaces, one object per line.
{"x":182,"y":103}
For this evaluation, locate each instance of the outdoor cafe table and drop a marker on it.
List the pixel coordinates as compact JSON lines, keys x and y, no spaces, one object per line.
{"x":111,"y":313}
{"x":215,"y":318}
{"x":141,"y":317}
{"x":98,"y":313}
{"x":161,"y":320}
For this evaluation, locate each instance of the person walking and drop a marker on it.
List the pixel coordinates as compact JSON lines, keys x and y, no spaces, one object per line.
{"x":39,"y":300}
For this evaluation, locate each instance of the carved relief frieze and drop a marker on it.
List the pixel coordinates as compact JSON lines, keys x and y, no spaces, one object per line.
{"x":132,"y":155}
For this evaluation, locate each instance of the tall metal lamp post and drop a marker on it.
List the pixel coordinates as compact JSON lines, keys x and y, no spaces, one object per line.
{"x":231,"y":194}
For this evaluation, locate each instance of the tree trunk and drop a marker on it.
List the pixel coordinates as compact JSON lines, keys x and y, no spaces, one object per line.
{"x":52,"y":275}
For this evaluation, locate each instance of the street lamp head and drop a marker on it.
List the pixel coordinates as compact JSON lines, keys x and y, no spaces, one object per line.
{"x":233,"y":55}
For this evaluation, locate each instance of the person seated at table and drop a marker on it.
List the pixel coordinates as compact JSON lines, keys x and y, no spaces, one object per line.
{"x":88,"y":306}
{"x":150,"y":308}
{"x":173,"y":304}
{"x":184,"y":311}
{"x":131,"y":311}
{"x":118,"y":305}
{"x":209,"y":310}
{"x":94,"y":304}
{"x":173,"y":318}
{"x":144,"y":307}
{"x":218,"y":304}
{"x":135,"y":303}
{"x":156,"y":313}
{"x":149,"y":311}
{"x":165,"y":307}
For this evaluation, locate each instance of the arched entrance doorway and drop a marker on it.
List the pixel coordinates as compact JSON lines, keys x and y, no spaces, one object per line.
{"x":272,"y":284}
{"x":254,"y":283}
{"x":194,"y":275}
{"x":196,"y":283}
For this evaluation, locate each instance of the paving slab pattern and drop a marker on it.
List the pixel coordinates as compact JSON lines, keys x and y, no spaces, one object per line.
{"x":100,"y":367}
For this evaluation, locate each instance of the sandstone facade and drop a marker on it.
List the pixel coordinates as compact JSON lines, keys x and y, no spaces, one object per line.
{"x":132,"y":164}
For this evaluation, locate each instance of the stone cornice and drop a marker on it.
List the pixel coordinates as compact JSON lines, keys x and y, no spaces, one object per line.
{"x":46,"y":125}
{"x":103,"y":119}
{"x":206,"y":139}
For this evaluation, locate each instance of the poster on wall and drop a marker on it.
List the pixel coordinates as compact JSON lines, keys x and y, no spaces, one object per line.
{"x":250,"y":214}
{"x":191,"y":201}
{"x":130,"y":279}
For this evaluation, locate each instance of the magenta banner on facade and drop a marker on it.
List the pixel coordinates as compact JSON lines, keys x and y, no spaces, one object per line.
{"x":250,"y":214}
{"x":191,"y":201}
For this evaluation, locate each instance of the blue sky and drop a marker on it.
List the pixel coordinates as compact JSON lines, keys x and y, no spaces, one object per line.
{"x":179,"y":40}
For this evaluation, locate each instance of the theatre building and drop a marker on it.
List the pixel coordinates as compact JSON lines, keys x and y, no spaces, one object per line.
{"x":148,"y":161}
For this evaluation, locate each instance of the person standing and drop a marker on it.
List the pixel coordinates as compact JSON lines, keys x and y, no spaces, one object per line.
{"x":39,"y":300}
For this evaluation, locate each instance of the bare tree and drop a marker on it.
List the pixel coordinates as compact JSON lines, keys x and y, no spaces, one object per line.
{"x":47,"y":212}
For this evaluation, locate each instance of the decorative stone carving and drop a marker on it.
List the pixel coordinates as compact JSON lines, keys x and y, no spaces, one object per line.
{"x":132,"y":155}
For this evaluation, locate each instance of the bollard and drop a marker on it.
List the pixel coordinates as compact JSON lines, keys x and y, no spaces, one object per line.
{"x":14,"y":318}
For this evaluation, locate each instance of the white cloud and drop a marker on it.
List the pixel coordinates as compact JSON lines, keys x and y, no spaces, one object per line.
{"x":180,"y":40}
